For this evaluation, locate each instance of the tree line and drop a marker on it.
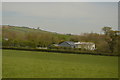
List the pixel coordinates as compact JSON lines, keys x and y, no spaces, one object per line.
{"x":32,"y":38}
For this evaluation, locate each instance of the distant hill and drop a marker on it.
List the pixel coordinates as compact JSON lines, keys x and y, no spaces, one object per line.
{"x":16,"y":33}
{"x":27,"y":29}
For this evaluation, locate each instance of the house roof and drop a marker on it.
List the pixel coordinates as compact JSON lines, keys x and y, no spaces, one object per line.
{"x":70,"y":43}
{"x":77,"y":43}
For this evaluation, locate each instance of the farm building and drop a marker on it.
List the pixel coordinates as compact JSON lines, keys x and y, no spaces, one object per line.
{"x":82,"y":45}
{"x":85,"y":45}
{"x":67,"y":44}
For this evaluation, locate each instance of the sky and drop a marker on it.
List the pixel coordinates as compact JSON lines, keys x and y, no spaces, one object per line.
{"x":62,"y":17}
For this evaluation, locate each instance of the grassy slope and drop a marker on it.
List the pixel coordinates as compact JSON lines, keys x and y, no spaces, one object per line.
{"x":23,"y":30}
{"x":31,"y":64}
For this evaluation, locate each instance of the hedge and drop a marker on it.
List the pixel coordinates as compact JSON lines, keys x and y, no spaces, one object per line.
{"x":61,"y":51}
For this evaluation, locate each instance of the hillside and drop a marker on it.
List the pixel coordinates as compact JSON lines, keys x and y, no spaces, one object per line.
{"x":15,"y":33}
{"x":27,"y":29}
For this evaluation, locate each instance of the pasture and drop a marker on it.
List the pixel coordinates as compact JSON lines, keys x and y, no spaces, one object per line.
{"x":35,"y":64}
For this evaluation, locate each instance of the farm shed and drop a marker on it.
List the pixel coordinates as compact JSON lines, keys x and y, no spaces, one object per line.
{"x":67,"y":44}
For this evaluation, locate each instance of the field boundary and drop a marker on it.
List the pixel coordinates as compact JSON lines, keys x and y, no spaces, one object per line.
{"x":61,"y":51}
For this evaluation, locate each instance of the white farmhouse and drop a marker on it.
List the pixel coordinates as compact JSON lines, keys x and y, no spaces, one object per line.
{"x":85,"y":45}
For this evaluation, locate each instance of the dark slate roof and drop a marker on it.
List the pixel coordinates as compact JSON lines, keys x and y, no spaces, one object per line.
{"x":70,"y":43}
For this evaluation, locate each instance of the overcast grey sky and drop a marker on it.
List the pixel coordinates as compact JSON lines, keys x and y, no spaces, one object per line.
{"x":62,"y":17}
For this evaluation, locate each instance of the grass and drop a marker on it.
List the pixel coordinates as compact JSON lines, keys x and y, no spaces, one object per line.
{"x":0,"y":63}
{"x":24,"y":30}
{"x":33,"y":64}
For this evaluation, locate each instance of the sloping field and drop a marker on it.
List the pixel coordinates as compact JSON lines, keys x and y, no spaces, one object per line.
{"x":24,"y":30}
{"x":33,"y":64}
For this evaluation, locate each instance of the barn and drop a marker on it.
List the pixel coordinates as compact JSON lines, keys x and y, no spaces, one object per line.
{"x":67,"y":44}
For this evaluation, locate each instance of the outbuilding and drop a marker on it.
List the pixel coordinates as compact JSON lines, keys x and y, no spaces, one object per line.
{"x":67,"y":44}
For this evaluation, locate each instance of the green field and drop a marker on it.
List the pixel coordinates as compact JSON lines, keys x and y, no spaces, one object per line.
{"x":33,"y":64}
